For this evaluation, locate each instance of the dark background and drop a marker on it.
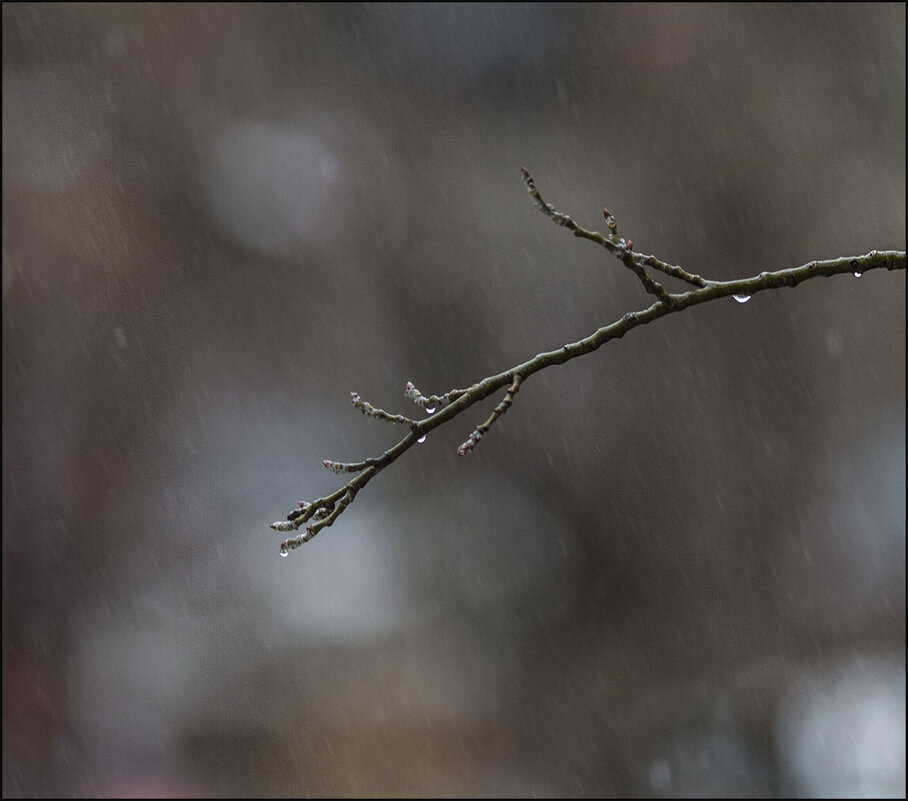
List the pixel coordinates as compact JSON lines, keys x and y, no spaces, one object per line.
{"x":675,"y":567}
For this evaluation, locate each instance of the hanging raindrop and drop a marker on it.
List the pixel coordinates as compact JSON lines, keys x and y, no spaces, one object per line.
{"x":742,"y":298}
{"x":284,"y":550}
{"x":857,"y":274}
{"x":422,"y":438}
{"x":430,"y":410}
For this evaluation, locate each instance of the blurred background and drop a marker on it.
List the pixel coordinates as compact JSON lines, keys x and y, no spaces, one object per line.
{"x":676,"y":567}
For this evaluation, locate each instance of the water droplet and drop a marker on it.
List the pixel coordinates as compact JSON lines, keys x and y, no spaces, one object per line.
{"x":422,"y":438}
{"x":284,"y":550}
{"x":743,"y":298}
{"x":430,"y":410}
{"x":857,"y":274}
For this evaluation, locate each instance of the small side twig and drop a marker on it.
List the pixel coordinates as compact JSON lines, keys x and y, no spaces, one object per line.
{"x":379,"y":414}
{"x":433,"y":402}
{"x":613,"y":243}
{"x":670,"y":269}
{"x":499,"y":410}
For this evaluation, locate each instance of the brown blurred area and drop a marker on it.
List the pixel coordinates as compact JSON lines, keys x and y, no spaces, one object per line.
{"x":675,"y":568}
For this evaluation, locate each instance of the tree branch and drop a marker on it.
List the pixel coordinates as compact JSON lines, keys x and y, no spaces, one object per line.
{"x":442,"y":408}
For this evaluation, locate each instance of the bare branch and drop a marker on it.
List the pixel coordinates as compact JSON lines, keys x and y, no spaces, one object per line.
{"x":442,"y":408}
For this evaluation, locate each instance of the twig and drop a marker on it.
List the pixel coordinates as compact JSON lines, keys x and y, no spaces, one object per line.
{"x":442,"y":408}
{"x":613,"y":243}
{"x":380,"y":414}
{"x":499,"y":410}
